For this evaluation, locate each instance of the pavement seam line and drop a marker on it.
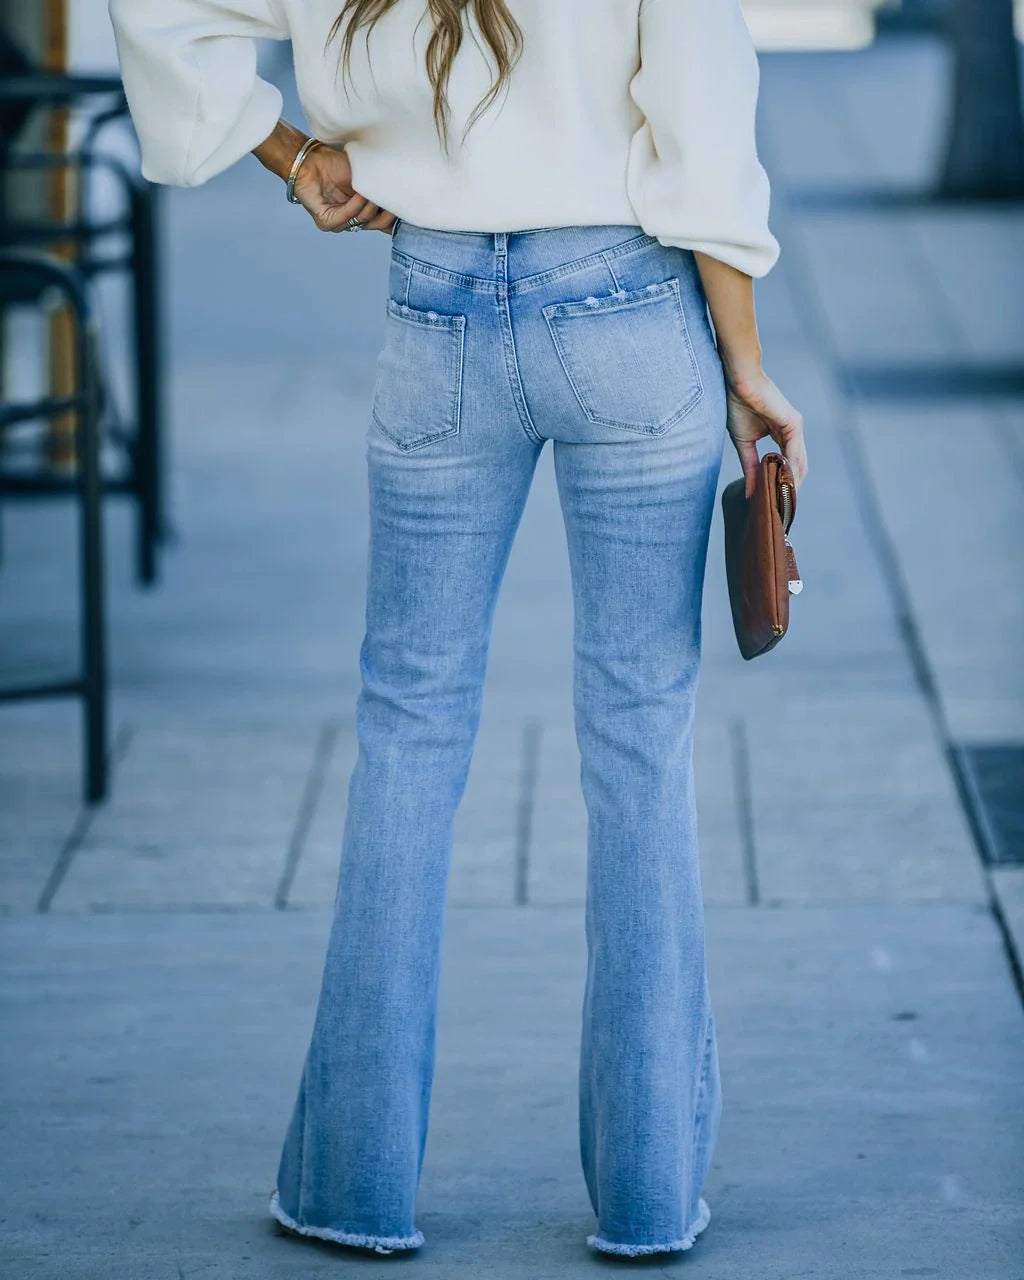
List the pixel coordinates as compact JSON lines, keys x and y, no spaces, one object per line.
{"x":323,"y":752}
{"x":743,"y":781}
{"x":529,"y":770}
{"x":80,"y":827}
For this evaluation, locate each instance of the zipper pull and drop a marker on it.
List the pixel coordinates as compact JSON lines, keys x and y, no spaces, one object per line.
{"x":795,"y":583}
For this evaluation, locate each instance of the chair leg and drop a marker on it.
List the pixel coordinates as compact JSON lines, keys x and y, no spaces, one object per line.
{"x":93,"y":607}
{"x":147,"y":455}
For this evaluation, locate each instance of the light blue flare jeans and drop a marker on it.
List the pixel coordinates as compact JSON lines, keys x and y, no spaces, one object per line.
{"x":596,"y":338}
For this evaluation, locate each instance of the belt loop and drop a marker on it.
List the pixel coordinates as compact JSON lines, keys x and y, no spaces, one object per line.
{"x":501,"y":262}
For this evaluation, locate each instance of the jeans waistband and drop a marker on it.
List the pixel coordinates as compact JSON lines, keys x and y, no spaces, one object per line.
{"x":487,"y":255}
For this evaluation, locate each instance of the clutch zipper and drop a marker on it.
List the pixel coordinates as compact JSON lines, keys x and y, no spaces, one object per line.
{"x":787,"y":506}
{"x":795,"y":583}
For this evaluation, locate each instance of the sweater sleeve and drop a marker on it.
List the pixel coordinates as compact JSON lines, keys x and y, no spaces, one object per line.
{"x":189,"y":72}
{"x":694,"y":176}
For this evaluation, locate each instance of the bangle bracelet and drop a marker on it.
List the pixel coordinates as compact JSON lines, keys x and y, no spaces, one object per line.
{"x":303,"y":151}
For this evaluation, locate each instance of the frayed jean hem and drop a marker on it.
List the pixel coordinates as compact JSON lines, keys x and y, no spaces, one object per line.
{"x":673,"y":1246}
{"x":379,"y":1244}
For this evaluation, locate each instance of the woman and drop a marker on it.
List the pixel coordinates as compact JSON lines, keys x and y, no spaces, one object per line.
{"x":570,"y":187}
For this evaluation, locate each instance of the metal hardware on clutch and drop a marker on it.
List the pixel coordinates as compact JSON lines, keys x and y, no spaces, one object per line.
{"x":795,"y":585}
{"x":303,"y":151}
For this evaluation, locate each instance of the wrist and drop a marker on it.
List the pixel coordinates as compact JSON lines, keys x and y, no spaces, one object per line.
{"x":745,"y":368}
{"x":279,"y":150}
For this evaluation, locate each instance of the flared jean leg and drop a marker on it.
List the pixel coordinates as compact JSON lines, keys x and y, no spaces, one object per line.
{"x":441,"y":531}
{"x":598,"y":340}
{"x":637,"y":515}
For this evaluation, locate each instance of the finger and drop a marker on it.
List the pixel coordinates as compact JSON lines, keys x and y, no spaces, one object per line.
{"x":794,"y":447}
{"x":384,"y":221}
{"x":796,"y":456}
{"x":335,"y":217}
{"x":365,"y":216}
{"x":781,"y":415}
{"x":786,"y":428}
{"x":750,"y":461}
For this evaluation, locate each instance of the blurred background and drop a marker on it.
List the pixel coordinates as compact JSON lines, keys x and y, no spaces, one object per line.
{"x":186,"y":381}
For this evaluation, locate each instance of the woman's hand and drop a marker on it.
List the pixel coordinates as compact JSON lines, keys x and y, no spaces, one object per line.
{"x":757,"y":408}
{"x":324,"y":188}
{"x":323,"y":185}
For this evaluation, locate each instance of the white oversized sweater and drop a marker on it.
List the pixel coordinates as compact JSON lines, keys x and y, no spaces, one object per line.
{"x":619,"y":111}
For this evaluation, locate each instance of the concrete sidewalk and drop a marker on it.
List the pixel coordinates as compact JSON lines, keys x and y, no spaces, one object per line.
{"x":164,"y":951}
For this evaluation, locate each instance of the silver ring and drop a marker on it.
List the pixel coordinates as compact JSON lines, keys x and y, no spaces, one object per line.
{"x":354,"y":224}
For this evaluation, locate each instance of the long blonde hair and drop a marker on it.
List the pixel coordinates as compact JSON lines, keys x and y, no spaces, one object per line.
{"x":497,"y":25}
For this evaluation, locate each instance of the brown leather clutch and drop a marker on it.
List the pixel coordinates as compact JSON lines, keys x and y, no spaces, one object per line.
{"x":760,"y":564}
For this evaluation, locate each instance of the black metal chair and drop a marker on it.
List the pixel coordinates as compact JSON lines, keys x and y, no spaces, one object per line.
{"x":27,"y":279}
{"x":138,"y":472}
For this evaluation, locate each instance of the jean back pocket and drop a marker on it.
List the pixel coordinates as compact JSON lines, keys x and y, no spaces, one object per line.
{"x":417,"y":397}
{"x":628,"y":357}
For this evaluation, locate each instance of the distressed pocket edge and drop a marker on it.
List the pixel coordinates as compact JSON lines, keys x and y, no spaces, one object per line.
{"x":609,"y":304}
